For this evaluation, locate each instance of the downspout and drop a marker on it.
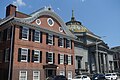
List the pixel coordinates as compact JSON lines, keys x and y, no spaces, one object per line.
{"x":11,"y":52}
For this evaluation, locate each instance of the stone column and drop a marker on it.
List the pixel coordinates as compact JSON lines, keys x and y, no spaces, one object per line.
{"x":97,"y":63}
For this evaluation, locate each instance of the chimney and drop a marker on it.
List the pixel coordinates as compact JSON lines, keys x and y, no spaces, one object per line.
{"x":10,"y":10}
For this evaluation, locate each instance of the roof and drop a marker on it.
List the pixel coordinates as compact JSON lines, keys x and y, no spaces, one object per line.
{"x":35,"y":15}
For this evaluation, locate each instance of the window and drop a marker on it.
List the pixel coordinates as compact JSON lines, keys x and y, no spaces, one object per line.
{"x":69,"y":60}
{"x":68,"y":43}
{"x":25,"y":33}
{"x":61,"y":42}
{"x":36,"y":75}
{"x":60,"y":29}
{"x":23,"y":75}
{"x":62,"y":73}
{"x":61,"y":58}
{"x":50,"y":39}
{"x":8,"y":33}
{"x":38,"y":22}
{"x":49,"y":58}
{"x":37,"y":36}
{"x":69,"y":75}
{"x":23,"y":55}
{"x":36,"y":56}
{"x":50,"y":21}
{"x":7,"y":55}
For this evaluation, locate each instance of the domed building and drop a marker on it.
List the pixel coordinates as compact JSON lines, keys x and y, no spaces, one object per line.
{"x":91,"y":52}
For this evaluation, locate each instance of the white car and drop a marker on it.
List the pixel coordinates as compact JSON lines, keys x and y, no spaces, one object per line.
{"x":81,"y":77}
{"x":111,"y":76}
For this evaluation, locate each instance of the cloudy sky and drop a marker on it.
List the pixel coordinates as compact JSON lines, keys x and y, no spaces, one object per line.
{"x":102,"y":17}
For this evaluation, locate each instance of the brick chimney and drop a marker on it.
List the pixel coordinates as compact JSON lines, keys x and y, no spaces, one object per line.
{"x":10,"y":10}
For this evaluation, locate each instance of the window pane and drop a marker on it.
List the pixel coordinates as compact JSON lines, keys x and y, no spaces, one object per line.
{"x":37,"y":36}
{"x":7,"y":55}
{"x":50,"y":39}
{"x":61,"y":58}
{"x":69,"y":59}
{"x":36,"y":75}
{"x":36,"y":56}
{"x":24,"y":54}
{"x":23,"y":75}
{"x":25,"y":32}
{"x":50,"y":58}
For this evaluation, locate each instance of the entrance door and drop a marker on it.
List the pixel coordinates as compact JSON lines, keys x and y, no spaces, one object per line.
{"x":50,"y":72}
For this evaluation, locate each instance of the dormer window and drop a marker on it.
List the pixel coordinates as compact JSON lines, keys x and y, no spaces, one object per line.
{"x":50,"y":21}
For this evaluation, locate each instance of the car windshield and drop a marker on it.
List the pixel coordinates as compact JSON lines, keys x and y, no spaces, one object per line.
{"x":108,"y":74}
{"x":84,"y":76}
{"x":77,"y":77}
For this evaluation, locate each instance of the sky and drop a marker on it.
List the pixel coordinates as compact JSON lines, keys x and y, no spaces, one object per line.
{"x":102,"y":17}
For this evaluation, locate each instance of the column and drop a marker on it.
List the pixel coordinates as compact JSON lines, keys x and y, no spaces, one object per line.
{"x":104,"y":62}
{"x":97,"y":63}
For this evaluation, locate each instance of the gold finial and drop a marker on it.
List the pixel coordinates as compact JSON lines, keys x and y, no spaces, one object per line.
{"x":72,"y":18}
{"x":72,"y":13}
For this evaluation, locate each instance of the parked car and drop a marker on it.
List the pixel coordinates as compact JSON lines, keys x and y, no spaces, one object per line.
{"x":111,"y":76}
{"x":98,"y":77}
{"x":81,"y":77}
{"x":59,"y":77}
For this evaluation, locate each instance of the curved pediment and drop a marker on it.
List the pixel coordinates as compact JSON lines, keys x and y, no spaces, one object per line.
{"x":43,"y":14}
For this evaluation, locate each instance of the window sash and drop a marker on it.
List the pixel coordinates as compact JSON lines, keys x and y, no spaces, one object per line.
{"x":69,"y":75}
{"x":7,"y":55}
{"x":24,"y":55}
{"x":23,"y":75}
{"x":36,"y":56}
{"x":69,"y":59}
{"x":50,"y":58}
{"x":25,"y":33}
{"x":61,"y":42}
{"x":61,"y":58}
{"x":50,"y":39}
{"x":8,"y":33}
{"x":36,"y":75}
{"x":37,"y":36}
{"x":68,"y":43}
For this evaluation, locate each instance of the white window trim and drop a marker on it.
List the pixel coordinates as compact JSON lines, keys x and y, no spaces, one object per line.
{"x":69,"y":73}
{"x":51,"y":20}
{"x":26,"y":54}
{"x":37,"y":75}
{"x":38,"y":56}
{"x":20,"y":75}
{"x":27,"y":34}
{"x":39,"y":36}
{"x":50,"y":39}
{"x":62,"y":59}
{"x":60,"y":29}
{"x":52,"y":57}
{"x":69,"y":59}
{"x":37,"y":21}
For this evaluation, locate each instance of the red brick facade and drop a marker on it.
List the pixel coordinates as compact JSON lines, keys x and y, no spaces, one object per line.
{"x":29,"y":66}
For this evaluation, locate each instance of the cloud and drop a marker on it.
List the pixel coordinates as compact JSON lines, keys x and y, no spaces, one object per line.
{"x":59,"y":9}
{"x":19,"y":3}
{"x":83,"y":0}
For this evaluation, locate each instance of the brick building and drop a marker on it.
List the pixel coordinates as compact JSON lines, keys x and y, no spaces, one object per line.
{"x":35,"y":46}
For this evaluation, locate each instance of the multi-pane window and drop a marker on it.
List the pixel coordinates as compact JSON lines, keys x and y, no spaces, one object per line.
{"x":23,"y":75}
{"x":24,"y":54}
{"x":69,"y":60}
{"x":68,"y":43}
{"x":36,"y":55}
{"x":61,"y":58}
{"x":69,"y":75}
{"x":50,"y":39}
{"x":49,"y":57}
{"x":61,"y":42}
{"x":7,"y":55}
{"x":37,"y":36}
{"x":25,"y":33}
{"x":36,"y":75}
{"x":8,"y":33}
